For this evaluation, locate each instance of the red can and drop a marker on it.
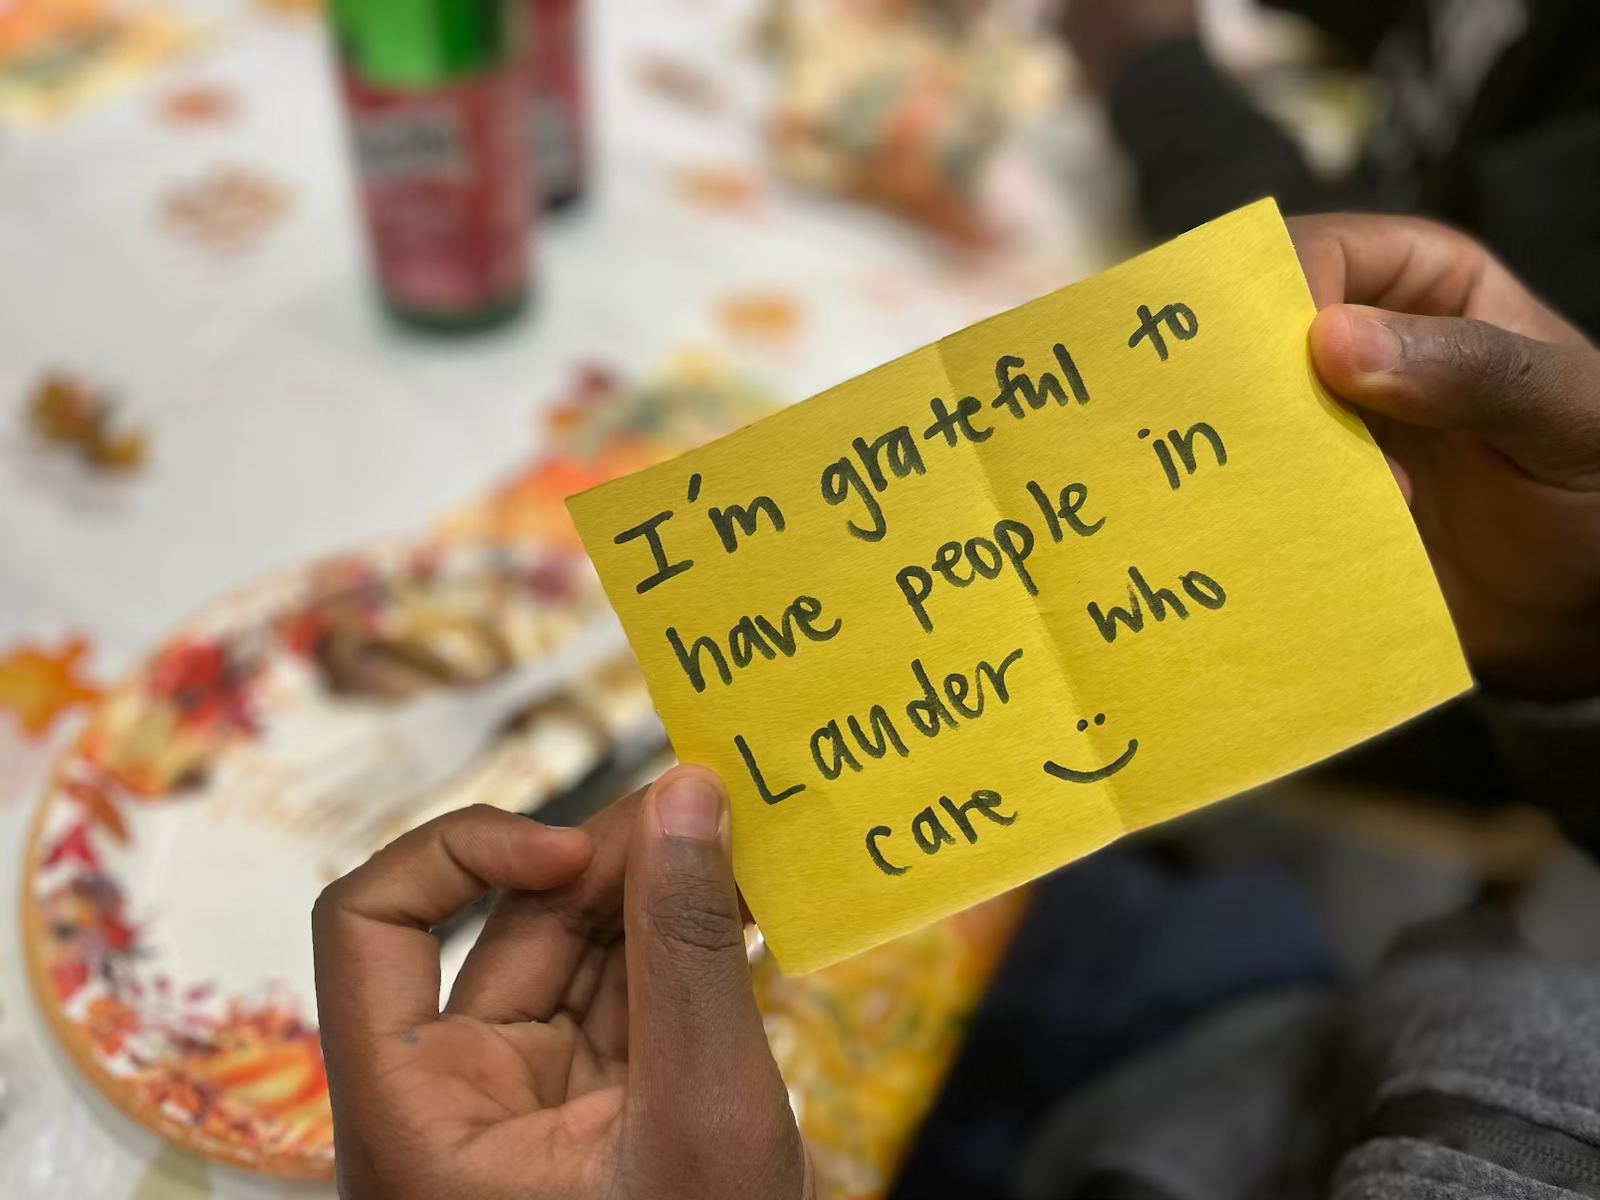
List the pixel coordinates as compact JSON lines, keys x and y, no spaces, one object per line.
{"x":436,"y":104}
{"x":557,"y":105}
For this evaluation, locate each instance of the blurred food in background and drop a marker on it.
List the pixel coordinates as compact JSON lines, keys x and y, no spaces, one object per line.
{"x":161,"y":737}
{"x":36,"y":29}
{"x":901,"y":103}
{"x":392,"y":636}
{"x":56,"y":55}
{"x":605,"y":425}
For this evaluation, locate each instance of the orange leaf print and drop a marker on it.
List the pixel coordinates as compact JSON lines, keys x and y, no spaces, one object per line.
{"x":37,"y":686}
{"x":719,"y":189}
{"x":199,"y":104}
{"x":771,"y":317}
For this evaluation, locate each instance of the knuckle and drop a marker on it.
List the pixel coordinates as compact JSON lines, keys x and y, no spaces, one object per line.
{"x":1521,"y":377}
{"x":463,"y":828}
{"x":1463,"y":347}
{"x":1486,"y":369}
{"x":328,"y":904}
{"x":1531,"y":380}
{"x":454,"y":822}
{"x":462,"y":822}
{"x":1479,"y":350}
{"x":697,"y":918}
{"x":590,"y":916}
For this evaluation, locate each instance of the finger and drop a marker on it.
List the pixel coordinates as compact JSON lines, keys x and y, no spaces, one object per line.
{"x":1410,"y":265}
{"x":1399,"y":262}
{"x":377,"y":965}
{"x":529,"y":961}
{"x":1536,"y":402}
{"x":606,"y":1022}
{"x":695,"y":1035}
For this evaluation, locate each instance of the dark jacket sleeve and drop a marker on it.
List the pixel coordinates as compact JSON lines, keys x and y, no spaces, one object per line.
{"x":1552,"y":751}
{"x":1200,"y":148}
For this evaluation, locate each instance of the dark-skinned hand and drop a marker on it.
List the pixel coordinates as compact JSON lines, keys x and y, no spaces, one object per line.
{"x":1488,"y":406}
{"x":602,"y":1038}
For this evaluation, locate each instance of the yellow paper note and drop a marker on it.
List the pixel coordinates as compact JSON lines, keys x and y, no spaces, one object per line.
{"x":1087,"y":565}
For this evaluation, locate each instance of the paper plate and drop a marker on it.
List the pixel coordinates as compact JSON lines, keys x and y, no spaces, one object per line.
{"x":184,"y":836}
{"x":172,"y":865}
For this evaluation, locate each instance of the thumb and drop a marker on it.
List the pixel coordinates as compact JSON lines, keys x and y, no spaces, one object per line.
{"x":702,"y":1081}
{"x":1536,"y":402}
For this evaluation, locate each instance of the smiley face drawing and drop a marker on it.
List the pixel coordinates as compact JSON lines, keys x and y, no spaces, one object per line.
{"x":1099,"y":773}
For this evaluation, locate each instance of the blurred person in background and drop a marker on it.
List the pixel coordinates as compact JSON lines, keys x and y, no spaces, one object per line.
{"x":1492,"y":124}
{"x":602,"y":1038}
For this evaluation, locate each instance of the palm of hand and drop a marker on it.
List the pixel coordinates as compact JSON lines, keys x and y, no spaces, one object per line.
{"x":601,"y":1039}
{"x":517,"y":1088}
{"x":541,"y":1097}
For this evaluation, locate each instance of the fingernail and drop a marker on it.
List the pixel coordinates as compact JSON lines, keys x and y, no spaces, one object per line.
{"x":690,"y":807}
{"x":1378,"y":349}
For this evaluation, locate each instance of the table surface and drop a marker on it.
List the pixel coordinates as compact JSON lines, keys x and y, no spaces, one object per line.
{"x":288,"y":420}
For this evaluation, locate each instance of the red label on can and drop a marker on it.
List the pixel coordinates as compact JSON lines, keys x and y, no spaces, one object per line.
{"x":444,"y":185}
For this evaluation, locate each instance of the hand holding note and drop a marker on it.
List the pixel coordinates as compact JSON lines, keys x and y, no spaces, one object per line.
{"x":642,"y":1072}
{"x":601,"y":1039}
{"x":1490,"y":404}
{"x":1082,"y":567}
